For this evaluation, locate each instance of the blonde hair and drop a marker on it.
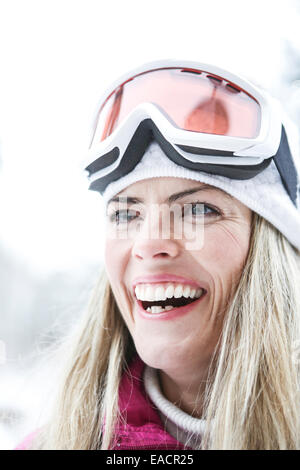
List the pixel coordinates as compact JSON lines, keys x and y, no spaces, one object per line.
{"x":252,"y":395}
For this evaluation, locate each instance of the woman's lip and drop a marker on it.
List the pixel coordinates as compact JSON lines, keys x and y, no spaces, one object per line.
{"x":157,"y":278}
{"x":168,"y":315}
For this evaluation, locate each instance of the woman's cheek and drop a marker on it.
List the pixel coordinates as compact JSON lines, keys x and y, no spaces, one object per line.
{"x":116,"y":258}
{"x":225,"y":250}
{"x":112,"y":260}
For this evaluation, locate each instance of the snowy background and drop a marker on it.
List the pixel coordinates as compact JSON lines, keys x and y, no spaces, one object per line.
{"x":56,"y":59}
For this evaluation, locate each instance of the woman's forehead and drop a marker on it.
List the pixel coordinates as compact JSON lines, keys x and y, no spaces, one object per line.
{"x":168,"y":188}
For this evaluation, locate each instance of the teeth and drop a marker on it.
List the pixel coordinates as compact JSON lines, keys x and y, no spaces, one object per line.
{"x":169,"y":292}
{"x":159,"y":309}
{"x":156,"y":309}
{"x":178,"y":291}
{"x":198,"y":293}
{"x":165,"y":291}
{"x":137,"y":291}
{"x":160,"y":293}
{"x":150,"y":294}
{"x":186,"y":292}
{"x":193,"y":293}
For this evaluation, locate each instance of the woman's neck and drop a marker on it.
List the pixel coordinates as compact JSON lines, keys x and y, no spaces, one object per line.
{"x":185,"y":390}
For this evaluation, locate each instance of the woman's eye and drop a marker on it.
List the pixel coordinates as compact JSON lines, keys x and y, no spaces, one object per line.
{"x":198,"y":209}
{"x":122,"y":216}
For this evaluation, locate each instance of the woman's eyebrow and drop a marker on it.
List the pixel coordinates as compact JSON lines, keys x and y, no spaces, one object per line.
{"x":173,"y":197}
{"x":204,"y":187}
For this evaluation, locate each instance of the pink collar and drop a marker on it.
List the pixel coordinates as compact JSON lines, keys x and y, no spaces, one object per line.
{"x":143,"y":428}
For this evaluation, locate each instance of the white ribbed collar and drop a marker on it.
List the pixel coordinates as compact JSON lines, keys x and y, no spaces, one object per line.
{"x":178,"y":423}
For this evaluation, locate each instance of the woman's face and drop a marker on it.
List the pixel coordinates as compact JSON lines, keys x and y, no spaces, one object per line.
{"x":150,"y":256}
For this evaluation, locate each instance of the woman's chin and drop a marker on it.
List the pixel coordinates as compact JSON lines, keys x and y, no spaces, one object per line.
{"x":164,"y":358}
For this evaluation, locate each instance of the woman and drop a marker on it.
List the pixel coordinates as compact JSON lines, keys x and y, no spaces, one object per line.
{"x":189,"y":341}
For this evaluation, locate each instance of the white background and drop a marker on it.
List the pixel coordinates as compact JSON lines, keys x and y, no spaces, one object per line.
{"x":56,"y":59}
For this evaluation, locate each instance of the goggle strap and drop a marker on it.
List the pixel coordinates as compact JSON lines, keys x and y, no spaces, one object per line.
{"x":145,"y":133}
{"x":104,"y":161}
{"x":286,"y":167}
{"x":242,"y":172}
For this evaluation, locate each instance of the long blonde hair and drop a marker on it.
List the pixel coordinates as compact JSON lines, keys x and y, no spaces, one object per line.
{"x":252,"y":395}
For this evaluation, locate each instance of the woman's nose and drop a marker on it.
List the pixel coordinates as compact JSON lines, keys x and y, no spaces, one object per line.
{"x":155,"y":248}
{"x":155,"y":238}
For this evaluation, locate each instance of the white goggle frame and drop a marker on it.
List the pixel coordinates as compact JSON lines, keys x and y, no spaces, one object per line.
{"x":245,"y":151}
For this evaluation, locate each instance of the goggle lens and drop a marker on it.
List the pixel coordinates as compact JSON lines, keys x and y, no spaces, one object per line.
{"x":194,"y":100}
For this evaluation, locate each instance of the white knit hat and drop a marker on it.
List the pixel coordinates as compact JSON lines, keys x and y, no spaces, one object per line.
{"x":264,"y":194}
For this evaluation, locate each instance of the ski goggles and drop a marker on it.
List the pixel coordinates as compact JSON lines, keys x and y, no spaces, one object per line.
{"x":204,"y":118}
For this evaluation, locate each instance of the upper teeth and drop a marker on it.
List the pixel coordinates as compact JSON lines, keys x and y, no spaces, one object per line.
{"x":165,"y":291}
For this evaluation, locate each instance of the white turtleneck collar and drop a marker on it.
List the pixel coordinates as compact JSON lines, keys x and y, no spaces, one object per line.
{"x":183,"y":427}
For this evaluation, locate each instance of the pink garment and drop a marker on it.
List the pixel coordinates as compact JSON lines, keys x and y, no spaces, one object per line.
{"x":27,"y":441}
{"x":143,"y":428}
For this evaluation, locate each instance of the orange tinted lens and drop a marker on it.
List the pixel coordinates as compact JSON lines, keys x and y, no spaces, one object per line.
{"x":193,"y":100}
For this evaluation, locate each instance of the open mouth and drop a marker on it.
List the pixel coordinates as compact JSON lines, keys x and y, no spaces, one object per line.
{"x":164,"y":298}
{"x":173,"y":303}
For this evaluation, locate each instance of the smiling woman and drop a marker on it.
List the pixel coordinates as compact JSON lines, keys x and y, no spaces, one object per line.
{"x":146,"y":273}
{"x":189,"y":339}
